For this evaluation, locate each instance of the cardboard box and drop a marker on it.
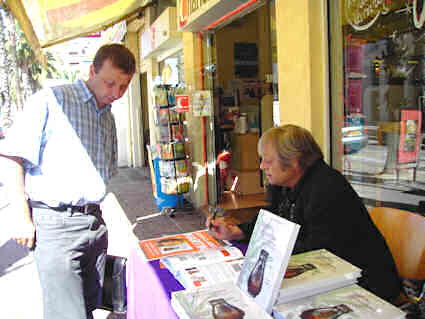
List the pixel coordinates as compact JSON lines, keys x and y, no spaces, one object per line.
{"x":244,"y":152}
{"x":248,"y":182}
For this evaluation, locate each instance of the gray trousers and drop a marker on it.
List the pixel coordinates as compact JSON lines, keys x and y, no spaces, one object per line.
{"x":70,"y":255}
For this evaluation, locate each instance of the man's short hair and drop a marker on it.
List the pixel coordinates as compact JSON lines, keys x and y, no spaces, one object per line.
{"x":119,"y":55}
{"x":292,"y":142}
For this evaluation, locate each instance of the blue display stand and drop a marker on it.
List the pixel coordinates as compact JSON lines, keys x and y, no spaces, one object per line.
{"x":163,"y":200}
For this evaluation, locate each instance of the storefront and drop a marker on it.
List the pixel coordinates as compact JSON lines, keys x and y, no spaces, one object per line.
{"x":231,"y":50}
{"x":228,"y":53}
{"x":377,"y":83}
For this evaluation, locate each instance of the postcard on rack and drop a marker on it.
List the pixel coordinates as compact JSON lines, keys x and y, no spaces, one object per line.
{"x":179,"y":244}
{"x":267,"y":258}
{"x":351,"y":302}
{"x":316,"y":272}
{"x":220,"y":301}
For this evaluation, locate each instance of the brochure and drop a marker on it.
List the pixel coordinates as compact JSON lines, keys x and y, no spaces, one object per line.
{"x":352,"y":302}
{"x":315,"y":272}
{"x":221,"y":301}
{"x":179,"y":244}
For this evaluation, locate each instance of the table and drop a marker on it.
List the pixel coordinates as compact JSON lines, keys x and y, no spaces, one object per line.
{"x":149,"y":287}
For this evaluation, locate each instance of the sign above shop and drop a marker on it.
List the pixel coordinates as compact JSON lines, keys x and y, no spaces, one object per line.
{"x":161,"y":36}
{"x":201,"y":15}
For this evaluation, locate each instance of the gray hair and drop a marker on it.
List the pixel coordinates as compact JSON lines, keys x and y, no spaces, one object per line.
{"x":292,"y":142}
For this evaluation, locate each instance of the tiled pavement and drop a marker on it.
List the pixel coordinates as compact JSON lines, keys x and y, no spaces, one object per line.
{"x":133,"y":189}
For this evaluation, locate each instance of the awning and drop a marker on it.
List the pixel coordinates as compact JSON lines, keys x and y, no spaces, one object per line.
{"x":48,"y":22}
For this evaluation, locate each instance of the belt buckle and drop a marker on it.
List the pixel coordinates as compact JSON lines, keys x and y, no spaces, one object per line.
{"x":89,"y":208}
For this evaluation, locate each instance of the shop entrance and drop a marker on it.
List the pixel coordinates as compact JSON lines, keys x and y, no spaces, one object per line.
{"x":238,"y":68}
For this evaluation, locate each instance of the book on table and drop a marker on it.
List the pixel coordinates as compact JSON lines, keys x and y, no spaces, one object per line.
{"x":206,"y":267}
{"x":351,"y":302}
{"x":315,"y":272}
{"x":267,"y":258}
{"x":261,"y":272}
{"x":221,"y":301}
{"x":179,"y":244}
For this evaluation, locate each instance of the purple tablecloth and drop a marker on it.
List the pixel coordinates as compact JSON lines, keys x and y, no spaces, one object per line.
{"x":149,"y":287}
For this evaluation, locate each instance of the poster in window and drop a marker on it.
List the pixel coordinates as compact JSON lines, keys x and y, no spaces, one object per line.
{"x":246,"y":60}
{"x":202,"y":103}
{"x":410,"y":136}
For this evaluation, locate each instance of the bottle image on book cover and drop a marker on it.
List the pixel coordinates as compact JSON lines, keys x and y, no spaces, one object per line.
{"x":221,"y":309}
{"x":326,"y":312}
{"x":293,"y":271}
{"x":255,"y":279}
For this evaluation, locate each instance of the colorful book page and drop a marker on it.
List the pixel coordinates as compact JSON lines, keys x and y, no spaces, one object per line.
{"x":179,"y":244}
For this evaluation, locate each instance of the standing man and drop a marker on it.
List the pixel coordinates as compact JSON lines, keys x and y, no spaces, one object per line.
{"x":305,"y":190}
{"x":59,"y":157}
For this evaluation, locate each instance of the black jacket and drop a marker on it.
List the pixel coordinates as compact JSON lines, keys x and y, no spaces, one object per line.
{"x":332,"y":216}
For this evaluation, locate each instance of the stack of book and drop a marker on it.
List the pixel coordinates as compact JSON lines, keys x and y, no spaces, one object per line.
{"x":351,"y":302}
{"x":221,"y":283}
{"x":256,"y":288}
{"x":315,"y":272}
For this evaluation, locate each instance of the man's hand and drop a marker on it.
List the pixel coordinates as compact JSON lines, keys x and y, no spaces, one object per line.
{"x":23,"y":227}
{"x":23,"y":231}
{"x":25,"y":235}
{"x":221,"y":229}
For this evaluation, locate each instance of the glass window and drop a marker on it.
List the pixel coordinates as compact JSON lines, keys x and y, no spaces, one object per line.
{"x":377,"y":56}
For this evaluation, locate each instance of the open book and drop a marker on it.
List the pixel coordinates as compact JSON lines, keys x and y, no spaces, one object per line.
{"x":206,"y":267}
{"x":179,"y":244}
{"x":315,"y":272}
{"x":352,"y":302}
{"x":262,"y":270}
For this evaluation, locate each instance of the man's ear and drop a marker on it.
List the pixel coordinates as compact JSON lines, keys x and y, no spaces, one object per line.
{"x":92,"y":71}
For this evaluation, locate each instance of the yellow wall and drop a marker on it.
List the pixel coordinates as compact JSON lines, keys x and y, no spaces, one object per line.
{"x":302,"y":64}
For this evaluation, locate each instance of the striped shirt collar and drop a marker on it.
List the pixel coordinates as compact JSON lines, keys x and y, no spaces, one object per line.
{"x":87,"y":95}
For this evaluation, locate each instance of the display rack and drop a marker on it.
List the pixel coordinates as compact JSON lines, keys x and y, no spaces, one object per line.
{"x":174,"y":177}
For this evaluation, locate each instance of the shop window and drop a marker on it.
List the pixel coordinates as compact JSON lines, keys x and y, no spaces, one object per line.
{"x":377,"y":58}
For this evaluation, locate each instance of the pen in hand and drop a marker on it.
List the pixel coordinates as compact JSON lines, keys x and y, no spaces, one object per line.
{"x":214,"y":214}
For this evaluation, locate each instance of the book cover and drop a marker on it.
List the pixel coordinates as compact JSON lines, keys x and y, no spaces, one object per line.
{"x":315,"y":272}
{"x":178,"y":150}
{"x":267,"y":257}
{"x":179,"y":244}
{"x":352,"y":302}
{"x":181,"y":168}
{"x":216,"y":302}
{"x":166,"y":151}
{"x":166,"y":168}
{"x":162,"y":116}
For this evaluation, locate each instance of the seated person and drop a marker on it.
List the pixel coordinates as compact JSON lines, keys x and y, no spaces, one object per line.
{"x":305,"y":190}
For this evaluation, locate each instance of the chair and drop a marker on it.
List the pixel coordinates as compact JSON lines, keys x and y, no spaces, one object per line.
{"x":404,"y":233}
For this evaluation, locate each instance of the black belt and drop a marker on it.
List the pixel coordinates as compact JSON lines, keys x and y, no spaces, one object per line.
{"x":86,"y":209}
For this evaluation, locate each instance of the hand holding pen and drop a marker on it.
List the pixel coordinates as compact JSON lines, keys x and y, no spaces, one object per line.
{"x":221,"y":229}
